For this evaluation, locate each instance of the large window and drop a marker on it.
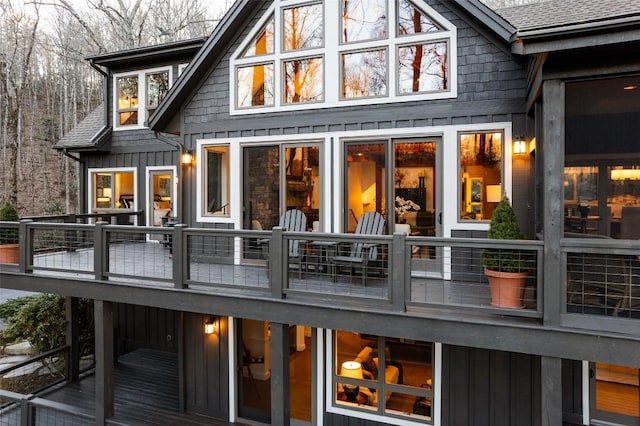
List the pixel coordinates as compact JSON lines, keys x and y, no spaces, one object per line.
{"x":112,"y":189}
{"x":480,"y":174}
{"x":132,"y":91}
{"x":382,"y":376}
{"x":289,"y":58}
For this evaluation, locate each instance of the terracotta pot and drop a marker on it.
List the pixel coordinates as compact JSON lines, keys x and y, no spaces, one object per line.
{"x":507,"y":288}
{"x":9,"y":253}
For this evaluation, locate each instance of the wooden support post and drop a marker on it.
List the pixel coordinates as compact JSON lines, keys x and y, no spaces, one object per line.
{"x":280,"y":410}
{"x":72,"y":338}
{"x":551,"y":391}
{"x":179,"y":255}
{"x":25,"y":245}
{"x":278,"y":262}
{"x":553,"y":190}
{"x":400,"y":270}
{"x":103,"y":316}
{"x":100,"y":252}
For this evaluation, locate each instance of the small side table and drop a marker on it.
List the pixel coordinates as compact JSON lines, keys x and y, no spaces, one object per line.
{"x":326,"y":251}
{"x":361,"y":398}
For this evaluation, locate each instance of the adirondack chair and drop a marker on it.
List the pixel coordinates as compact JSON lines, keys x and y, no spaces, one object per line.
{"x":295,"y":221}
{"x":370,"y":223}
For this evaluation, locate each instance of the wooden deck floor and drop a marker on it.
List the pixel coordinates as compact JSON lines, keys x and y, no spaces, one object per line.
{"x":146,"y":392}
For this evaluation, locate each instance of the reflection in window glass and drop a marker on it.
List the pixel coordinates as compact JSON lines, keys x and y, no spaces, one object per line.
{"x":364,"y":74}
{"x":367,"y":376}
{"x":303,"y":27}
{"x":217,"y":178}
{"x":422,"y":68}
{"x":128,"y":100}
{"x":262,"y":44}
{"x":157,"y":88}
{"x":363,"y":20}
{"x":255,"y":86}
{"x":480,"y":175}
{"x":303,"y":80}
{"x":412,"y":21}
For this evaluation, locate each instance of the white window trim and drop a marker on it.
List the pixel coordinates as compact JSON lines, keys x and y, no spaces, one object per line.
{"x":234,"y":158}
{"x":331,"y":60}
{"x":174,"y":174}
{"x":142,"y":96}
{"x":332,"y":171}
{"x":325,"y":388}
{"x":91,"y":189}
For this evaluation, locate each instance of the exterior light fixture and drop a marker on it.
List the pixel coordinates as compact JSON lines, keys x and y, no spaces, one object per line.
{"x":187,"y":157}
{"x":519,"y":146}
{"x":211,"y":325}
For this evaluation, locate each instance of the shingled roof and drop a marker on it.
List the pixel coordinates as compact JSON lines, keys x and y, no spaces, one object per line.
{"x":561,"y":13}
{"x":89,"y":133}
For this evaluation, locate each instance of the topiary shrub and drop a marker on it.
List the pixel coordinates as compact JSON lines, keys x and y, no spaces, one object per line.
{"x":8,"y":213}
{"x":504,"y":226}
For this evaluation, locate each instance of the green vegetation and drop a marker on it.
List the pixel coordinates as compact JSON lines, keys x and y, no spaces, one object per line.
{"x":8,"y":213}
{"x":504,"y":226}
{"x":41,"y":320}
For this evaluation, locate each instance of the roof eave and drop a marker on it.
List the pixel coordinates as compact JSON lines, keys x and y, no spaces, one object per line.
{"x":590,"y":34}
{"x":145,"y":53}
{"x":488,"y":17}
{"x":201,"y":63}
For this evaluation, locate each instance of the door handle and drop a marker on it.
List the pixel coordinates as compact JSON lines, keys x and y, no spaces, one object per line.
{"x":440,"y":218}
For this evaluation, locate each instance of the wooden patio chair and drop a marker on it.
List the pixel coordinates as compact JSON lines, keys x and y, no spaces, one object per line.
{"x":294,"y":221}
{"x":370,"y":223}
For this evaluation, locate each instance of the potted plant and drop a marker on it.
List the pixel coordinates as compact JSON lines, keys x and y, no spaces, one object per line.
{"x":9,"y":247}
{"x":505,"y":269}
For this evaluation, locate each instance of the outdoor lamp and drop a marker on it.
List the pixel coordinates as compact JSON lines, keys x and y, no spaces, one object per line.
{"x":520,"y":146}
{"x":187,"y":157}
{"x":210,"y":325}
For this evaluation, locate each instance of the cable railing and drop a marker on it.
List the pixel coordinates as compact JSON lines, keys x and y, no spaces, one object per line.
{"x":399,"y":271}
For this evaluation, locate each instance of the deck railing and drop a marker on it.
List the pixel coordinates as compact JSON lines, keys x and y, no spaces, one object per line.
{"x":26,"y":410}
{"x":400,"y":272}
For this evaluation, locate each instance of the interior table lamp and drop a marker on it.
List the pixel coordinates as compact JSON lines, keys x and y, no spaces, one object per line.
{"x":352,"y":370}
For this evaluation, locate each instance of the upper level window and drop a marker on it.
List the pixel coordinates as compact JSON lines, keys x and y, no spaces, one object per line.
{"x":383,"y":51}
{"x":132,"y":90}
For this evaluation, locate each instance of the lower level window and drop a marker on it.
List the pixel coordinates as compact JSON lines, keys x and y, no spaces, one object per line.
{"x":384,"y":376}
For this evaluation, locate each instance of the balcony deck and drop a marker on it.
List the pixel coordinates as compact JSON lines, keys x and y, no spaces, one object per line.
{"x":145,"y":391}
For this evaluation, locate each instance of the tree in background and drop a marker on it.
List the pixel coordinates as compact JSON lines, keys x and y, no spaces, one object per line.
{"x":47,"y":88}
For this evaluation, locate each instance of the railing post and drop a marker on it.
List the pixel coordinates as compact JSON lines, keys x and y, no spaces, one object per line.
{"x":71,"y":236}
{"x":100,"y":251}
{"x":180,"y":256}
{"x":277,"y":261}
{"x":401,"y":269}
{"x":26,"y":411}
{"x":25,"y":241}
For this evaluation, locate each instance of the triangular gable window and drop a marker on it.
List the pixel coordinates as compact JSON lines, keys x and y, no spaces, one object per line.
{"x":412,"y":20}
{"x":382,"y":51}
{"x":262,"y":43}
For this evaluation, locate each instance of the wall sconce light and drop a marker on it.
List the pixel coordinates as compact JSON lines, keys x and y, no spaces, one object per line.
{"x":211,"y":325}
{"x":187,"y":157}
{"x":519,"y":146}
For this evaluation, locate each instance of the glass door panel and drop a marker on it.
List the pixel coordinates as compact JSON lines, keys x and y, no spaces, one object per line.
{"x":254,"y":379}
{"x":416,"y":201}
{"x":302,"y":181}
{"x":261,"y":187}
{"x":365,"y":181}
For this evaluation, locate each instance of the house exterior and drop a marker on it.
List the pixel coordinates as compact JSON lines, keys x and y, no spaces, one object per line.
{"x":424,"y":111}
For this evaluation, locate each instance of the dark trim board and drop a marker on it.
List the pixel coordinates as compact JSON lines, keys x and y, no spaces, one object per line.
{"x":480,"y":332}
